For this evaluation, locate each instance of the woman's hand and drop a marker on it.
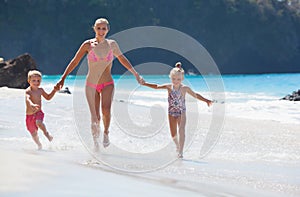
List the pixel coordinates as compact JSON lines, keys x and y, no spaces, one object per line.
{"x":60,"y":84}
{"x":139,"y":79}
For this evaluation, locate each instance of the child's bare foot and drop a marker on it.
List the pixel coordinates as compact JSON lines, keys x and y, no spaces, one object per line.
{"x":177,"y":148}
{"x":180,"y":155}
{"x":40,"y":146}
{"x":49,"y":137}
{"x":105,"y":140}
{"x":175,"y":139}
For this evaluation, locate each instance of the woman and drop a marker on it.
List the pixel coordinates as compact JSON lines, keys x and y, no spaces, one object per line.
{"x":99,"y":82}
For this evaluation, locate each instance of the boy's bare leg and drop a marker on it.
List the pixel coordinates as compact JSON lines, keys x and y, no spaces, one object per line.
{"x":42,"y":126}
{"x":36,"y":139}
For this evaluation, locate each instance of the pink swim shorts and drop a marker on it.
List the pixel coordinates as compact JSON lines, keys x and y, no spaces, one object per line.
{"x":31,"y":121}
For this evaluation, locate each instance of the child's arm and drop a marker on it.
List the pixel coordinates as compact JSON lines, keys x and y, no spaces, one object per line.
{"x":155,"y":86}
{"x":52,"y":93}
{"x":29,"y":103}
{"x":198,"y":96}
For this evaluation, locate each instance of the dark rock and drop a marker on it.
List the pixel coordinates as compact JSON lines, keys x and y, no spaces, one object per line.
{"x":13,"y":73}
{"x":295,"y":96}
{"x":66,"y":91}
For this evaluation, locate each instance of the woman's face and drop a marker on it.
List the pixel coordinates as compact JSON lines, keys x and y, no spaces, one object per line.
{"x":101,"y":29}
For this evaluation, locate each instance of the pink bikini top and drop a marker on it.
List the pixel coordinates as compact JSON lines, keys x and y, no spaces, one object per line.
{"x":94,"y":58}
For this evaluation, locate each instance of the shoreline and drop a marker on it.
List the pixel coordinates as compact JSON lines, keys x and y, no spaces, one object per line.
{"x":252,"y":157}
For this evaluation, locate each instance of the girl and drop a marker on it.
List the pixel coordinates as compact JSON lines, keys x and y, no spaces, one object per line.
{"x":176,"y":100}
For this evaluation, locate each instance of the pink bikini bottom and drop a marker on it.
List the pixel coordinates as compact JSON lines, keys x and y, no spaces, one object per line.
{"x":99,"y":87}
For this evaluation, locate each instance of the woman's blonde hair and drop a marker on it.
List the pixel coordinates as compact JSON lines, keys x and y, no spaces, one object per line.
{"x":102,"y":20}
{"x":177,"y":70}
{"x":32,"y":73}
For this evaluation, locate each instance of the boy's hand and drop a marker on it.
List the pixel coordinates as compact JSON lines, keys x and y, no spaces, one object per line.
{"x":35,"y":107}
{"x":56,"y":87}
{"x":60,"y":84}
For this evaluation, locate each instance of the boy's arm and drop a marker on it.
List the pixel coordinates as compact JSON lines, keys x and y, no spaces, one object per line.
{"x":198,"y":96}
{"x":29,"y":103}
{"x":52,"y":93}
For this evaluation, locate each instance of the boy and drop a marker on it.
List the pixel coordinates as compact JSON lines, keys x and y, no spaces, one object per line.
{"x":34,"y":114}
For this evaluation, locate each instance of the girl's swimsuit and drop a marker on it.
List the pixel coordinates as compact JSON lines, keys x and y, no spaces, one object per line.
{"x":92,"y":57}
{"x":176,"y":103}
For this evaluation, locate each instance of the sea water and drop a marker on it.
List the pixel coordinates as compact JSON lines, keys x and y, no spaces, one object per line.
{"x":269,"y":142}
{"x":250,"y":96}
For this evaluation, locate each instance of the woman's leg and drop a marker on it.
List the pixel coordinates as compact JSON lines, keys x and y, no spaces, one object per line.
{"x":93,"y":99}
{"x":106,"y":102}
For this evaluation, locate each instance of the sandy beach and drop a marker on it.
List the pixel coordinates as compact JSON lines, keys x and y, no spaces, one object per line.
{"x":252,"y":157}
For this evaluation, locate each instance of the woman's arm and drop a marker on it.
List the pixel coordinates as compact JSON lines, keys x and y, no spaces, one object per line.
{"x":83,"y":49}
{"x":124,"y":61}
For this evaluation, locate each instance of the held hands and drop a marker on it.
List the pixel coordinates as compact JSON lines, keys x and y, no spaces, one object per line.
{"x":59,"y":84}
{"x":56,"y":87}
{"x":139,"y":79}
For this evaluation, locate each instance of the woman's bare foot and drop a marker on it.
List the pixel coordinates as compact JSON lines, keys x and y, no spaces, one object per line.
{"x":105,"y":140}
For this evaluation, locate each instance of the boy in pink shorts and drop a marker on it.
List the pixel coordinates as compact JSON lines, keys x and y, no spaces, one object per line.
{"x":34,"y":113}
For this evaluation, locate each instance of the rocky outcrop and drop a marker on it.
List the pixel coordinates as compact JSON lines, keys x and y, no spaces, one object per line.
{"x":295,"y":96}
{"x":13,"y":73}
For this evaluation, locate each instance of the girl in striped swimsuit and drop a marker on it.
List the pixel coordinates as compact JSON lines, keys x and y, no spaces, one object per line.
{"x":176,"y":100}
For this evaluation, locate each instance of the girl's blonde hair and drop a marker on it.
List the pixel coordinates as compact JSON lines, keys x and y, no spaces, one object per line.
{"x":32,"y":73}
{"x":102,"y":20}
{"x":177,"y":70}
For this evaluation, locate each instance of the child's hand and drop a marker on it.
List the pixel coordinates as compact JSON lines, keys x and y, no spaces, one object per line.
{"x":60,"y":84}
{"x":35,"y":107}
{"x":56,"y":87}
{"x":141,"y":81}
{"x":209,"y":103}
